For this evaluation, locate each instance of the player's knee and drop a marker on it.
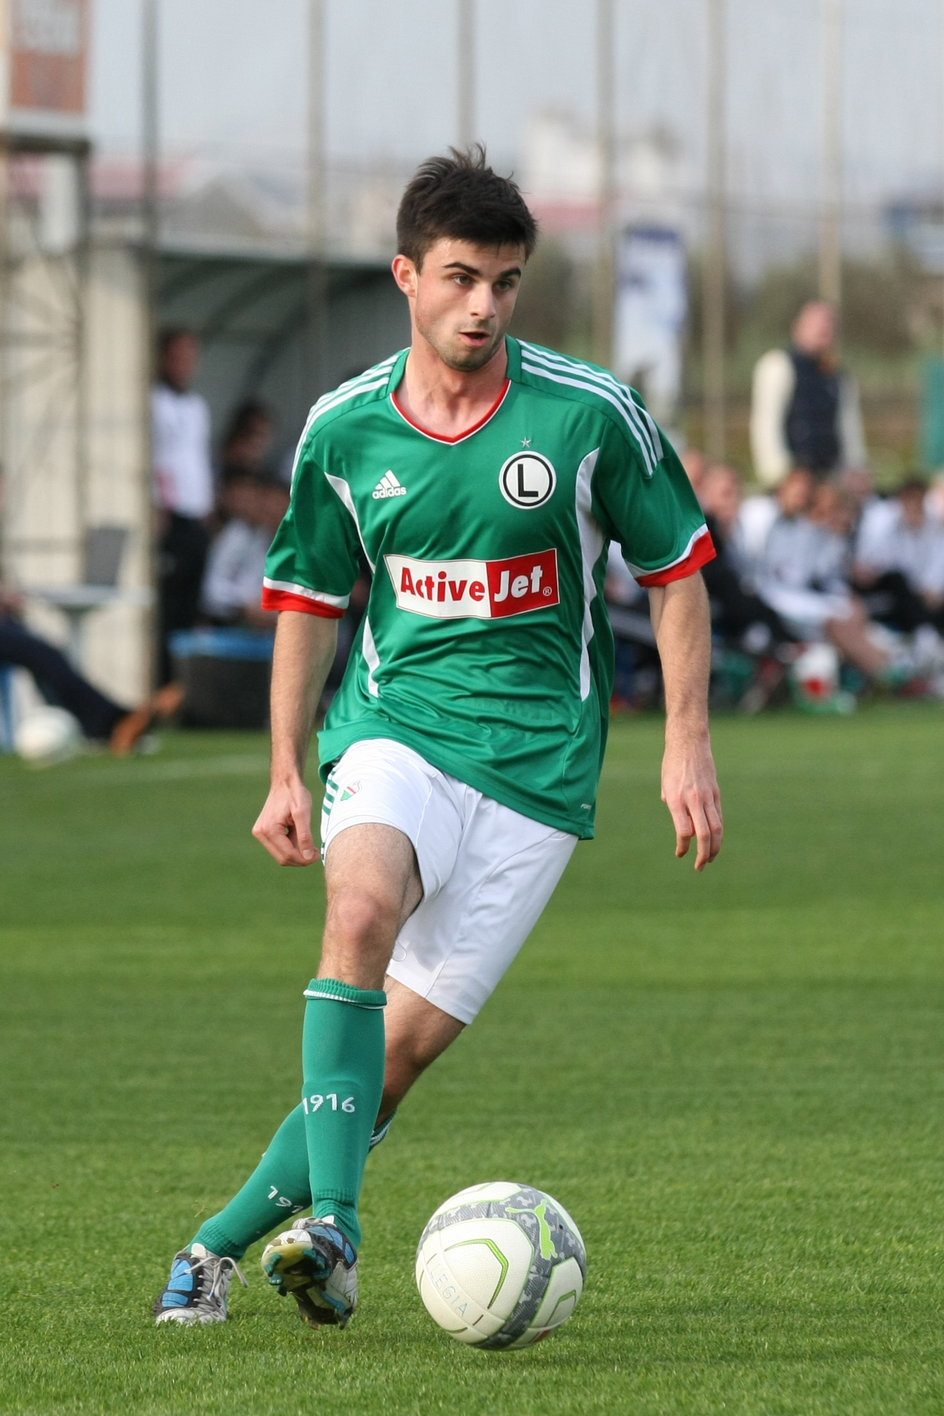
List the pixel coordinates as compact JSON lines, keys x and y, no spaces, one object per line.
{"x":362,"y":921}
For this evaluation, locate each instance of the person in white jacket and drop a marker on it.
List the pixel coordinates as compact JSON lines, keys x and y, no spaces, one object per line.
{"x":805,"y":408}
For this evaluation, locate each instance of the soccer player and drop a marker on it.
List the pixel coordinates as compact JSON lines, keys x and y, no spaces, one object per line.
{"x":482,"y":480}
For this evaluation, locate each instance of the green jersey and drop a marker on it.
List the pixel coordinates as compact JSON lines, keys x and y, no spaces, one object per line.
{"x":485,"y":645}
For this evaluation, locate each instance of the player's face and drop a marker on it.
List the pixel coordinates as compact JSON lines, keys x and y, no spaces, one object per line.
{"x":462,"y":299}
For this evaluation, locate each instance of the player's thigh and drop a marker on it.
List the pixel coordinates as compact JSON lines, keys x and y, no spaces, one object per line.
{"x":375,"y":863}
{"x":373,"y":886}
{"x":381,"y":782}
{"x":457,"y":945}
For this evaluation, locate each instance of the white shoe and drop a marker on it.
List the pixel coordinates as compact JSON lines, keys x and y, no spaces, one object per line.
{"x":317,"y":1263}
{"x":198,"y":1288}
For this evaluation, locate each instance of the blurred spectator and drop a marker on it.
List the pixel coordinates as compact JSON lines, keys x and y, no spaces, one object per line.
{"x":859,"y":484}
{"x":801,"y":572}
{"x":245,"y":450}
{"x":899,"y":561}
{"x":804,"y":406}
{"x":696,"y":464}
{"x":232,"y":583}
{"x":183,"y":486}
{"x":740,"y":616}
{"x":637,"y":678}
{"x":102,"y":719}
{"x":934,"y":504}
{"x":759,"y":512}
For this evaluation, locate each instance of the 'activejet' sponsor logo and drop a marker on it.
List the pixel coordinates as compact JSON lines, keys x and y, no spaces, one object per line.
{"x":475,"y":589}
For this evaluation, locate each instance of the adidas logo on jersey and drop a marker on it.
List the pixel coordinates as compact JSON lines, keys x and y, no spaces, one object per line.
{"x":388,"y":486}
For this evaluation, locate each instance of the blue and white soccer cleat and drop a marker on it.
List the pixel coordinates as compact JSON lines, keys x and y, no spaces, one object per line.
{"x":317,"y":1264}
{"x":198,"y":1288}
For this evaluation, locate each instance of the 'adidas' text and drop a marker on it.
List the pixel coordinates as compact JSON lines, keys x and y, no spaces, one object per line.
{"x":388,"y":486}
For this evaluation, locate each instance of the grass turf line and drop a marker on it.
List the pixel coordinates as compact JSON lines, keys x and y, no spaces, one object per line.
{"x":732,"y":1081}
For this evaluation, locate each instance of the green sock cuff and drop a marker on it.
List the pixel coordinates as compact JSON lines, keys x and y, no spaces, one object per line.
{"x":343,"y":1214}
{"x":214,"y":1238}
{"x":338,"y":992}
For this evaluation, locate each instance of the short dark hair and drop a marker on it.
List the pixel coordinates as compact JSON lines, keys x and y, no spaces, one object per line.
{"x":459,"y":196}
{"x":170,"y":335}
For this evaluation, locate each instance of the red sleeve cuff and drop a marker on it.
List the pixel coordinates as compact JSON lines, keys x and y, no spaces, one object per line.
{"x":285,"y":600}
{"x":700,"y":554}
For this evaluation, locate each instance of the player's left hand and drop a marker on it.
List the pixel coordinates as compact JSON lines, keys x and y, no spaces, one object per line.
{"x":690,"y":791}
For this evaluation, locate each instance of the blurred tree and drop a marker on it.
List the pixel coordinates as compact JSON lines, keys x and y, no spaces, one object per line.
{"x":555,"y":305}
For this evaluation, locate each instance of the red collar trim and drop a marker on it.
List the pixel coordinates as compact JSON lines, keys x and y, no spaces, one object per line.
{"x":438,"y":437}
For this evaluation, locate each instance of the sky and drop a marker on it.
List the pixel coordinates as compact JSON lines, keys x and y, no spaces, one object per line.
{"x":233,"y":82}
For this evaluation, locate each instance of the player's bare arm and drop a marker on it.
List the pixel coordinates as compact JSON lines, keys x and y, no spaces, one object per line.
{"x":305,"y":646}
{"x":681,"y":620}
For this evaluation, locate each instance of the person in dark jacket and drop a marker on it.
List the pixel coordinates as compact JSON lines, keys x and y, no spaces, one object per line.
{"x":804,"y":405}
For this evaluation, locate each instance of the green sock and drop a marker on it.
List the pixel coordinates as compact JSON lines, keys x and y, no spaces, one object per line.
{"x":343,"y":1070}
{"x":276,"y":1189}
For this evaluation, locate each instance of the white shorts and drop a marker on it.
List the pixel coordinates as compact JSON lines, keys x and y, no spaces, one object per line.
{"x":487,"y":871}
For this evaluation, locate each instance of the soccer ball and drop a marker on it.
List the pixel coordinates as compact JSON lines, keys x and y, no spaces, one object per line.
{"x":47,"y":735}
{"x":500,"y":1265}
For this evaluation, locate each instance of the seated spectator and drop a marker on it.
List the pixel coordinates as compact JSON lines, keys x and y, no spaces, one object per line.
{"x":757,"y":514}
{"x":858,"y":484}
{"x":232,"y":583}
{"x":102,"y":719}
{"x":245,"y":452}
{"x":801,"y":572}
{"x":833,"y":510}
{"x":637,"y":679}
{"x":696,"y":465}
{"x":899,"y":561}
{"x":246,"y":445}
{"x":739,"y":615}
{"x":934,"y":504}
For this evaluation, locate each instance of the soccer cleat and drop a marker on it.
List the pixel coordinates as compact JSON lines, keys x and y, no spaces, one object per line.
{"x":198,"y":1288}
{"x":317,"y":1264}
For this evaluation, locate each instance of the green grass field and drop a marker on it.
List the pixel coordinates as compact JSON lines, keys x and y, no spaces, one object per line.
{"x":733,"y":1081}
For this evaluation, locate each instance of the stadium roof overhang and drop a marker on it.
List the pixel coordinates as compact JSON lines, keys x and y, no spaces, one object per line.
{"x":275,"y":324}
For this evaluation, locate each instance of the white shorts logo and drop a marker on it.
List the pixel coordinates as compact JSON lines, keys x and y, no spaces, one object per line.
{"x":527,"y":480}
{"x":475,"y":589}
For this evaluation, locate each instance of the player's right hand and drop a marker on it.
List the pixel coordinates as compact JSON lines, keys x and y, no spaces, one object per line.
{"x":283,"y":825}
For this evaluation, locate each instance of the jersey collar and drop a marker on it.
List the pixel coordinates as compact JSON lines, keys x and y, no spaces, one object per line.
{"x":514,"y":364}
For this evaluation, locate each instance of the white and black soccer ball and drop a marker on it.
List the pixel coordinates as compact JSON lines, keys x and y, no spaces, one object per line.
{"x":47,"y":735}
{"x":500,"y":1265}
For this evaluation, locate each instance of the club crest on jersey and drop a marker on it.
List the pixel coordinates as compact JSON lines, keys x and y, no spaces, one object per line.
{"x":475,"y":589}
{"x":527,"y":479}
